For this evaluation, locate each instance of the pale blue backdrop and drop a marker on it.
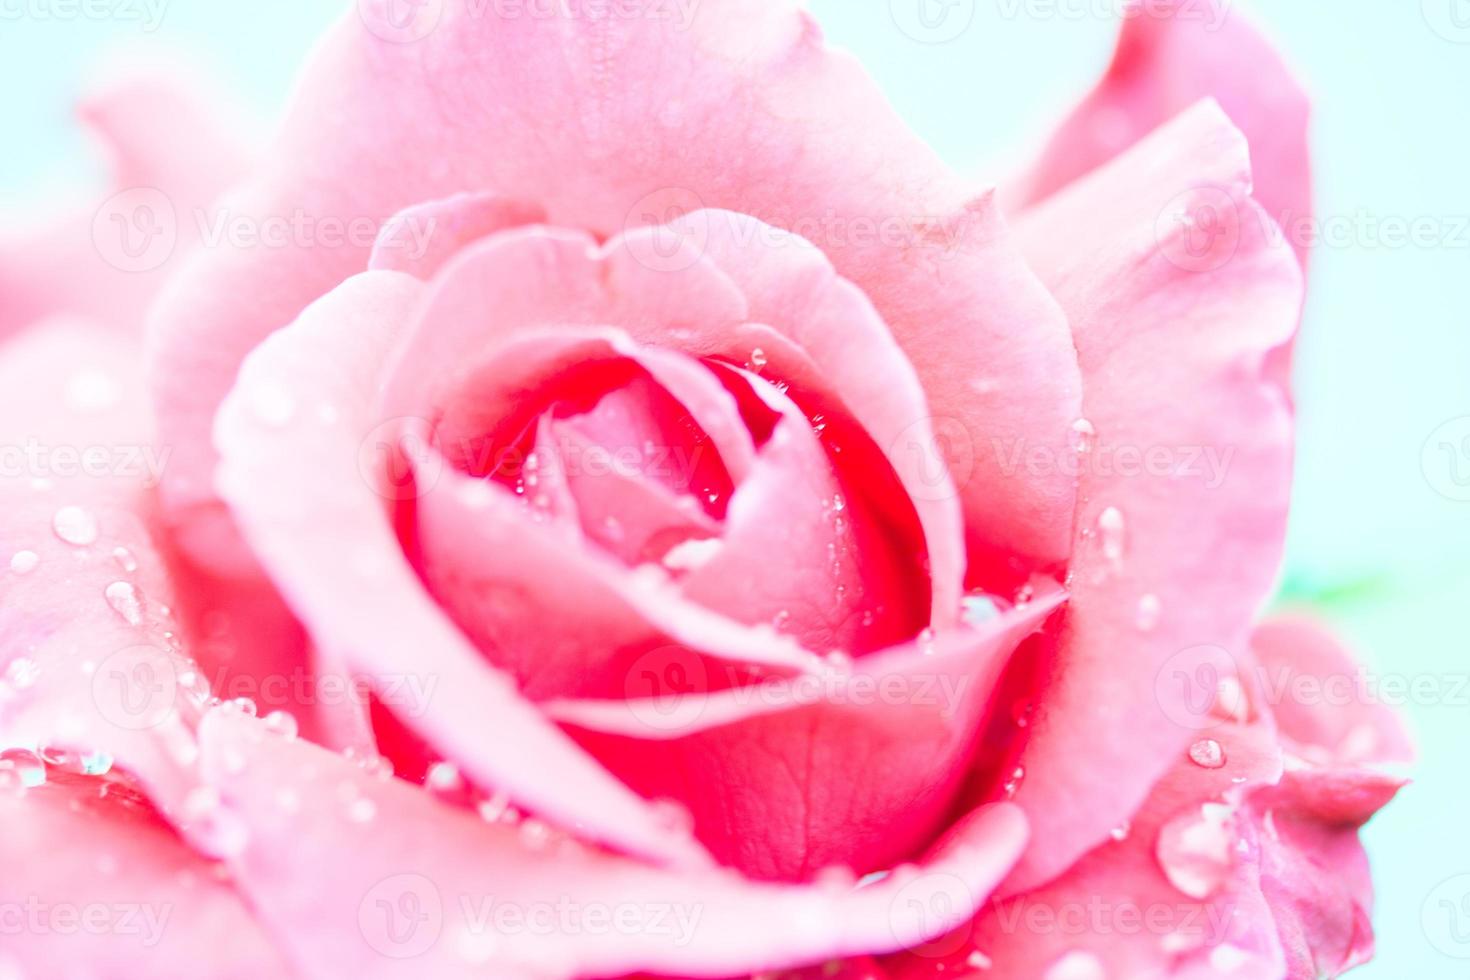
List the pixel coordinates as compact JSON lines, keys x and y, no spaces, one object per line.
{"x":1385,"y":358}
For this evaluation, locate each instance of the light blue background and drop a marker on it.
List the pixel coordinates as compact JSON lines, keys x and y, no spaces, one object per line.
{"x":1385,"y":354}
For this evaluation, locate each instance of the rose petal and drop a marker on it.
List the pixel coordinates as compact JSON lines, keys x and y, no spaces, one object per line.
{"x":856,"y":768}
{"x":1169,"y":57}
{"x":419,"y":240}
{"x":105,"y":257}
{"x":413,"y":902}
{"x":1201,"y":324}
{"x":364,"y":603}
{"x":791,"y":286}
{"x":94,"y":876}
{"x":767,"y":122}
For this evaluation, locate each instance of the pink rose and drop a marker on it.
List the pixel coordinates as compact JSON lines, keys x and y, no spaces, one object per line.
{"x":747,"y":549}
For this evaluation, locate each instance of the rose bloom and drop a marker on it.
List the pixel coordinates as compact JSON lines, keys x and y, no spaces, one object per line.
{"x":595,"y":496}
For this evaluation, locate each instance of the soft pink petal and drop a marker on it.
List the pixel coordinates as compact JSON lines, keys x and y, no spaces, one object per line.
{"x":791,"y":286}
{"x":89,"y":648}
{"x":308,"y":395}
{"x":106,"y":257}
{"x":371,"y":877}
{"x":1169,"y":57}
{"x":767,"y":121}
{"x":1326,"y":705}
{"x":97,"y":884}
{"x":1173,"y":558}
{"x":420,"y":239}
{"x":856,"y":768}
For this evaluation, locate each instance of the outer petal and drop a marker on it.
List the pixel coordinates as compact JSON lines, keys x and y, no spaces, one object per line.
{"x":767,"y":122}
{"x":438,"y":892}
{"x":1171,"y":55}
{"x":106,"y":259}
{"x":97,"y":884}
{"x":365,"y":604}
{"x":1177,"y":550}
{"x":784,"y":778}
{"x":90,"y":659}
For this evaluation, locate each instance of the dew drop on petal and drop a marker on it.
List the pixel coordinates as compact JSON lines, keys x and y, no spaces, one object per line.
{"x":1111,"y":530}
{"x":22,"y":673}
{"x":1121,"y":832}
{"x":362,"y":810}
{"x":24,"y":562}
{"x":124,"y":559}
{"x":1147,"y":616}
{"x":978,"y":960}
{"x":123,"y":598}
{"x":1207,"y":753}
{"x":21,"y":769}
{"x":281,"y":723}
{"x":1084,"y":435}
{"x":75,"y":525}
{"x":1013,"y":783}
{"x":758,"y":359}
{"x":1077,"y":965}
{"x":1194,"y":850}
{"x":444,"y":777}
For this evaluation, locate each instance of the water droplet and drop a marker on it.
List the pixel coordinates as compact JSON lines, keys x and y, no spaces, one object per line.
{"x":92,"y":390}
{"x":1121,"y":832}
{"x":24,"y":562}
{"x":1207,"y":753}
{"x":281,"y":723}
{"x":124,"y":559}
{"x":21,"y":769}
{"x":535,"y":835}
{"x":1077,"y":965}
{"x":979,"y":609}
{"x":244,"y":706}
{"x":1084,"y":435}
{"x":97,"y":763}
{"x":213,"y":827}
{"x":22,"y":673}
{"x":839,"y":660}
{"x":1149,"y":610}
{"x":444,"y":777}
{"x":61,"y":758}
{"x":123,"y":598}
{"x":1013,"y":783}
{"x":1194,"y":850}
{"x":1111,"y":530}
{"x":497,"y":809}
{"x":362,"y":810}
{"x":758,"y":359}
{"x":75,"y":525}
{"x":926,"y":642}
